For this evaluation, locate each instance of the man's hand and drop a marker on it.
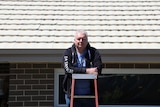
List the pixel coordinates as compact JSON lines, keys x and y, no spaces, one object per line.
{"x":92,"y":71}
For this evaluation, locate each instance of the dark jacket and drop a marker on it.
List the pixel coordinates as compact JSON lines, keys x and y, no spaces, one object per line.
{"x":93,"y":59}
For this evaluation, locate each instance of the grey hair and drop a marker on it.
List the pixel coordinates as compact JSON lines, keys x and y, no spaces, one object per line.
{"x":82,"y":32}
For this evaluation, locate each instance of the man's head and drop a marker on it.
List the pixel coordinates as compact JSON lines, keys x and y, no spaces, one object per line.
{"x":81,"y":40}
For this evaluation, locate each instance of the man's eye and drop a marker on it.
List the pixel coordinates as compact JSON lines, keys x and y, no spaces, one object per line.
{"x":81,"y":39}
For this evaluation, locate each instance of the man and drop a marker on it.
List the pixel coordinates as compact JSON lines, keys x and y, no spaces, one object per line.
{"x":81,"y":58}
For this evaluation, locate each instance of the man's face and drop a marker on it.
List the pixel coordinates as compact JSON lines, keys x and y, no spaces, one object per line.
{"x":81,"y":41}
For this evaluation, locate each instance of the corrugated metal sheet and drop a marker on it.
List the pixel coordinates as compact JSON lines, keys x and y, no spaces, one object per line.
{"x":50,"y":24}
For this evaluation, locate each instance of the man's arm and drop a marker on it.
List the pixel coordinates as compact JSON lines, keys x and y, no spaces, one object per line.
{"x":97,"y":64}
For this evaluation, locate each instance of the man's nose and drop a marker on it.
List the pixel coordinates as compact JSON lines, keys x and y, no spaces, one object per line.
{"x":81,"y":40}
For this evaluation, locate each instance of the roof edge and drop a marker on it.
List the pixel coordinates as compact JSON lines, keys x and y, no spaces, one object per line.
{"x":55,"y":55}
{"x":59,"y":51}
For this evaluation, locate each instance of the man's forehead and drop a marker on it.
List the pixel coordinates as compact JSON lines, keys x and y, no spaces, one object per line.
{"x":80,"y":35}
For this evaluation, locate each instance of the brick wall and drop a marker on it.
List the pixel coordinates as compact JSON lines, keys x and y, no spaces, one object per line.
{"x":31,"y":84}
{"x":132,"y":65}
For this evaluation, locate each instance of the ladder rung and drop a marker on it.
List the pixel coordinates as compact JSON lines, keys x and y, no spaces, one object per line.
{"x":77,"y":96}
{"x":84,"y":76}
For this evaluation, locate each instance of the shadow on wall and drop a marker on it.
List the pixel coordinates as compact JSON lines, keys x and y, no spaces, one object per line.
{"x":4,"y":84}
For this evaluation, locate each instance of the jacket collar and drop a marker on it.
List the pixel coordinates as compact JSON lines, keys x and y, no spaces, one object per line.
{"x":74,"y":53}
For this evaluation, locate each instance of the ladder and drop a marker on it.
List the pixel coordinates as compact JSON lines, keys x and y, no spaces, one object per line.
{"x":84,"y":76}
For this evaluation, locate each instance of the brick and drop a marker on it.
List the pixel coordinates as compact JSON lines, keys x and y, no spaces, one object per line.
{"x":16,"y":82}
{"x":46,"y":70}
{"x":12,"y":87}
{"x":39,"y":65}
{"x":16,"y":92}
{"x":15,"y":104}
{"x":31,"y":92}
{"x":23,"y":87}
{"x":50,"y":86}
{"x":31,"y":71}
{"x":141,"y":66}
{"x":31,"y":81}
{"x":12,"y":65}
{"x":39,"y":76}
{"x":54,"y":65}
{"x":126,"y":65}
{"x":24,"y":98}
{"x":103,"y":65}
{"x":50,"y":65}
{"x":38,"y":98}
{"x":24,"y":76}
{"x":112,"y":65}
{"x":13,"y":76}
{"x":46,"y":92}
{"x":46,"y":81}
{"x":154,"y":65}
{"x":12,"y":98}
{"x":48,"y":103}
{"x":39,"y":87}
{"x":50,"y":76}
{"x":17,"y":71}
{"x":29,"y":103}
{"x":24,"y":65}
{"x":50,"y":98}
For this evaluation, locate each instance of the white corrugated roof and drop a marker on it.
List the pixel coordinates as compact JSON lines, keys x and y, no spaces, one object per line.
{"x":50,"y":24}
